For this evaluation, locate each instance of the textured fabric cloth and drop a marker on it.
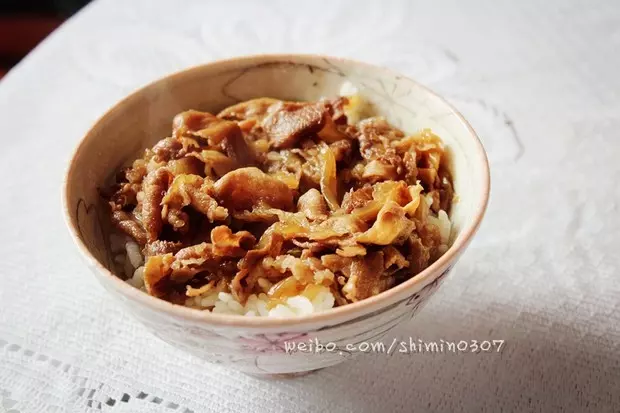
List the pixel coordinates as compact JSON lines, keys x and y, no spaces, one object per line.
{"x":538,"y":81}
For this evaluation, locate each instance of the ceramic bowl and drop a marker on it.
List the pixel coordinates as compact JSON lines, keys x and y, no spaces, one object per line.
{"x":255,"y":344}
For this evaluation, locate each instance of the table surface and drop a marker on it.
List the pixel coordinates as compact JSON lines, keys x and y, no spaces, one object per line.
{"x":539,"y":82}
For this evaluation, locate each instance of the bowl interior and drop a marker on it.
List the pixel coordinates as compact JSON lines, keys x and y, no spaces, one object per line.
{"x":145,"y":117}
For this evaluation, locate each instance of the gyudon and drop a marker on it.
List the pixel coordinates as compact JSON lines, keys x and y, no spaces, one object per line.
{"x":281,"y":208}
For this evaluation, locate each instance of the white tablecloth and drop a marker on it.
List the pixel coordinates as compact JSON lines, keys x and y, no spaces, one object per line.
{"x":538,"y":80}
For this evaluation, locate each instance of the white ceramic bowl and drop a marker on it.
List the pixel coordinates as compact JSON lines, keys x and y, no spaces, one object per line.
{"x":256,"y":344}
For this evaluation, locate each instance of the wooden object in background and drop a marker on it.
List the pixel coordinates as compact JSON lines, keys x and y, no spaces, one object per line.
{"x":19,"y":34}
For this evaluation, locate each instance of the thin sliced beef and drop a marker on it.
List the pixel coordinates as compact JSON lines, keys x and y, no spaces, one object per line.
{"x":246,"y":188}
{"x":367,"y":278}
{"x":127,"y":223}
{"x":155,"y":186}
{"x":292,"y":121}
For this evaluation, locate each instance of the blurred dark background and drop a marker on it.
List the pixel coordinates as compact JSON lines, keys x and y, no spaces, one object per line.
{"x":25,"y":23}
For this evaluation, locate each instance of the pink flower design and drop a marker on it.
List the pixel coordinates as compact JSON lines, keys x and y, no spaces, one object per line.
{"x":271,"y":343}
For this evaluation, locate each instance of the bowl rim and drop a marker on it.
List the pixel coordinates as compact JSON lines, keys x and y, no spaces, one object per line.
{"x":349,"y":311}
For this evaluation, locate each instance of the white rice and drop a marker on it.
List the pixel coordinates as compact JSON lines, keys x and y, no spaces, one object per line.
{"x":257,"y":305}
{"x":359,"y":106}
{"x":134,"y":254}
{"x":137,"y":279}
{"x":348,"y":89}
{"x":445,"y":226}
